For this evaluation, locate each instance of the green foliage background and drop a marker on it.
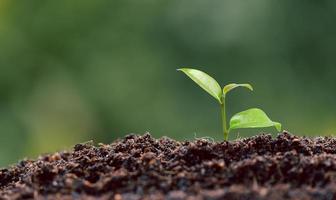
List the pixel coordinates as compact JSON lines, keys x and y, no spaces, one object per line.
{"x":71,"y":71}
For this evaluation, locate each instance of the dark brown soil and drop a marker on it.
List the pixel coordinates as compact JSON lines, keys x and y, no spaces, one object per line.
{"x":141,"y":167}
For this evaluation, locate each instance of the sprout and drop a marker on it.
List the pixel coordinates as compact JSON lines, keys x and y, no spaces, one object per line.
{"x":251,"y":118}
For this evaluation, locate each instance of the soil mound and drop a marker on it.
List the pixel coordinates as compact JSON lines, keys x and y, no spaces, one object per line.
{"x":141,"y":167}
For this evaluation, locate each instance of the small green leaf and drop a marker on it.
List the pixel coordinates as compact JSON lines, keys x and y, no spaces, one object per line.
{"x":232,"y":86}
{"x":252,"y":118}
{"x":205,"y":81}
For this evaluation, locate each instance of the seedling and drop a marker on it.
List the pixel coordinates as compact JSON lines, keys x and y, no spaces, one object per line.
{"x":251,"y":118}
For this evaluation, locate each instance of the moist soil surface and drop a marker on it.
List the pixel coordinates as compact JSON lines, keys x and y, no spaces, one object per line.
{"x":141,"y":167}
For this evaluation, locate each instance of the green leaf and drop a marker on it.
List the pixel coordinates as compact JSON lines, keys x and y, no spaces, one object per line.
{"x":205,"y":81}
{"x":232,"y":86}
{"x":252,"y":118}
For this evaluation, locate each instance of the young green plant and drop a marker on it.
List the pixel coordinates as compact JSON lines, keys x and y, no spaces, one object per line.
{"x":251,"y":118}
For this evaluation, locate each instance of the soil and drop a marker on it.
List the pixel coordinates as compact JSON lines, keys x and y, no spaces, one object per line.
{"x":141,"y":167}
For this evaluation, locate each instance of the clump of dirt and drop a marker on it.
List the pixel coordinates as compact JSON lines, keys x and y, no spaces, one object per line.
{"x":141,"y":167}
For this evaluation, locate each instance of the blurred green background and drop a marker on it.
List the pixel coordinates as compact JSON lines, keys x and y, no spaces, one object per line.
{"x":72,"y":71}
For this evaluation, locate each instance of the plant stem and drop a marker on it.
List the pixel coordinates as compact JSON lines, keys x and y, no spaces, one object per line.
{"x":223,"y":113}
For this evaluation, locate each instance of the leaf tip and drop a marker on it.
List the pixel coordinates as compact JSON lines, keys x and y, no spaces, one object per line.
{"x":277,"y":125}
{"x":248,"y":86}
{"x":182,"y":69}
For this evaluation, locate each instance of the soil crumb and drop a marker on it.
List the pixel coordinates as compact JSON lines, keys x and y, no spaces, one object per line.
{"x":142,"y":167}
